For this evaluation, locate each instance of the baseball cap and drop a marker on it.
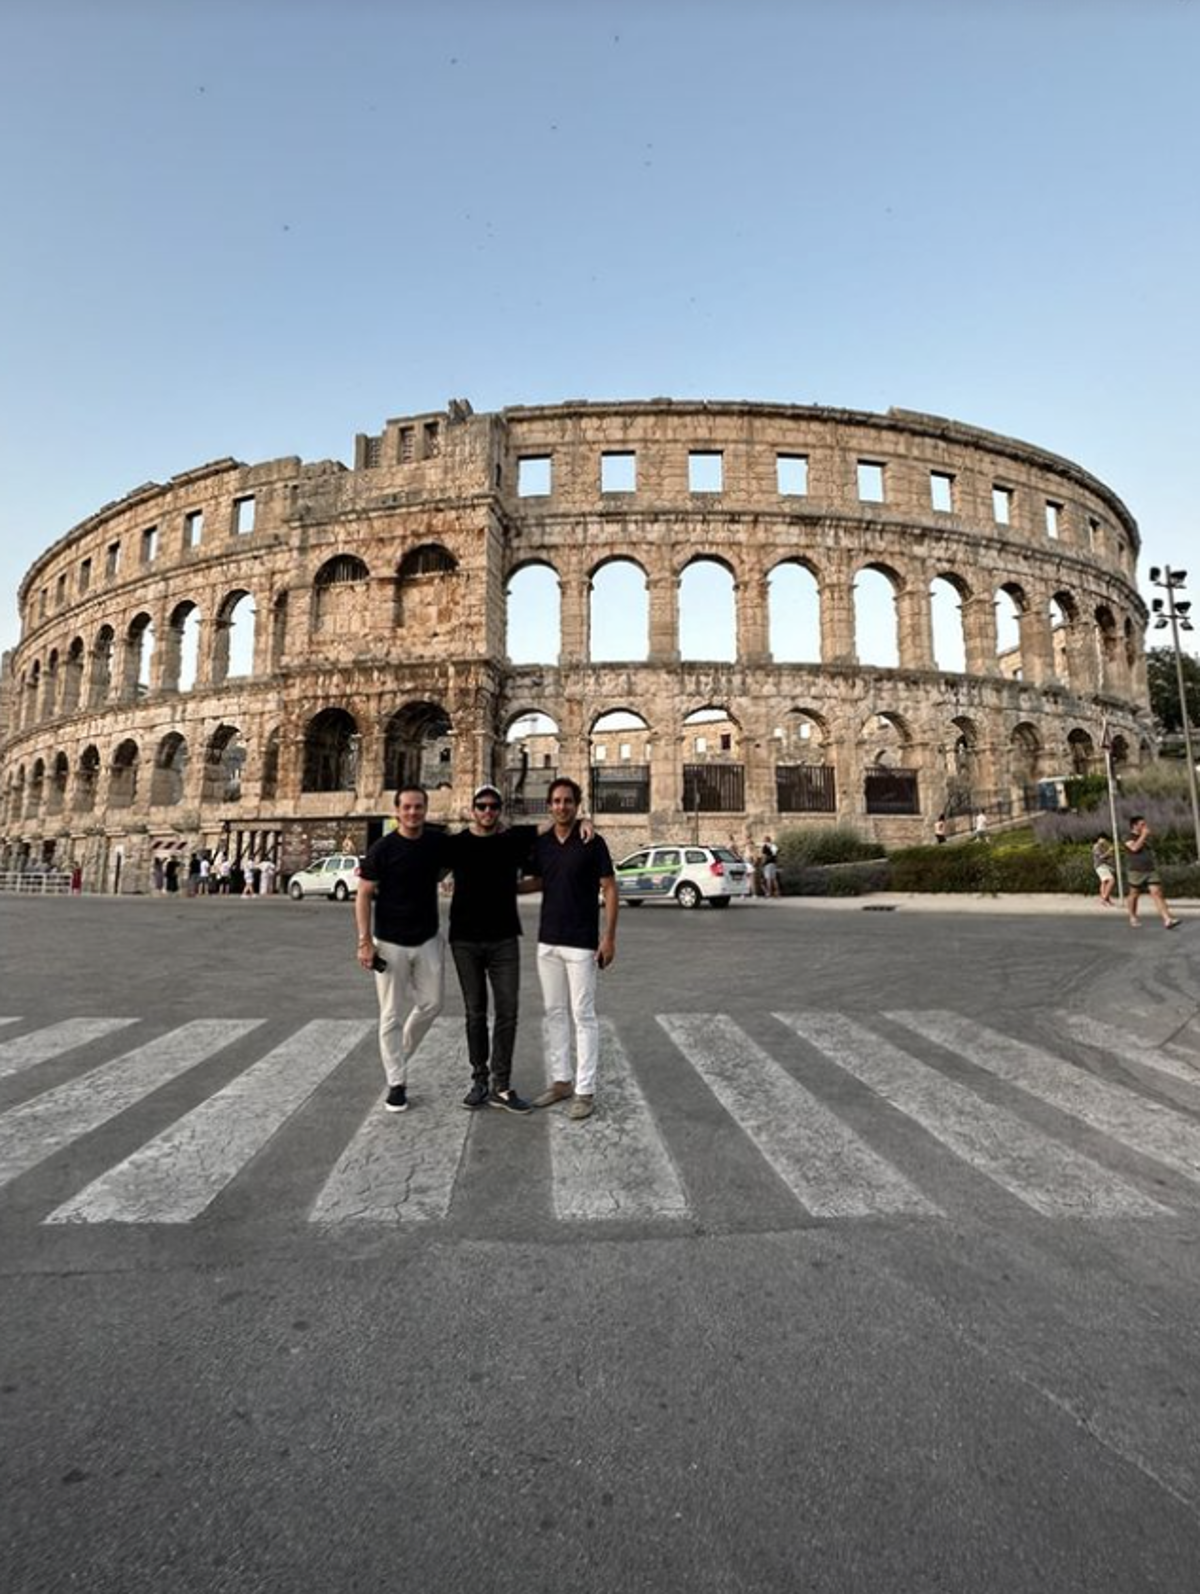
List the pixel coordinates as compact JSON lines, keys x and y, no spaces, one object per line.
{"x":486,"y":791}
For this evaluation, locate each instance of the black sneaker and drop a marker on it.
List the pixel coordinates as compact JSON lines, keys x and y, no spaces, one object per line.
{"x":477,"y":1096}
{"x":509,"y":1101}
{"x":397,"y":1099}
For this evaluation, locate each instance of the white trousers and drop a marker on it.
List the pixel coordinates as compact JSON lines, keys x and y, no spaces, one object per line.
{"x":567,"y":975}
{"x":412,"y":972}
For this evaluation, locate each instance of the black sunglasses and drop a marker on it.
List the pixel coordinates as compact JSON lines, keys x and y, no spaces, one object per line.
{"x":493,"y":808}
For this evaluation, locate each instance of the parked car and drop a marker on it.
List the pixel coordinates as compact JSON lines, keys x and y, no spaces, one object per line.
{"x":335,"y":876}
{"x":683,"y":872}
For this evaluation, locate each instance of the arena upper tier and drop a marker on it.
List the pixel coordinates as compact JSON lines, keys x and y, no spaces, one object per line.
{"x":256,"y":655}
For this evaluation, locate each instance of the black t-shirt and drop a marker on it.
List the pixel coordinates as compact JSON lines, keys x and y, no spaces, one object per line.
{"x":405,"y":874}
{"x":571,"y":873}
{"x":484,"y":904}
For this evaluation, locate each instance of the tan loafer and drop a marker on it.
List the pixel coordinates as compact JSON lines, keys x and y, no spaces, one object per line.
{"x":581,"y":1107}
{"x":558,"y":1091}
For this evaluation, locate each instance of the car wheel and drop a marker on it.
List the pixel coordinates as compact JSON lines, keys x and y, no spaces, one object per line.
{"x":296,"y":891}
{"x":718,"y":902}
{"x":688,"y":895}
{"x":340,"y":893}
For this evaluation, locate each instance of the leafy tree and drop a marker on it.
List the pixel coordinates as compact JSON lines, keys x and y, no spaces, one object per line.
{"x":1164,"y":688}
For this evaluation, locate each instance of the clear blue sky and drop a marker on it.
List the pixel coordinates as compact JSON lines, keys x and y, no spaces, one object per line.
{"x":257,"y":228}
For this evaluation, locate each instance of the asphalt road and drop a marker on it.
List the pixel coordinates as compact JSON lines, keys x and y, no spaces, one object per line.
{"x":876,"y":1269}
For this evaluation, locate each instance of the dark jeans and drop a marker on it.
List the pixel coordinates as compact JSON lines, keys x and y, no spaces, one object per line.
{"x":497,"y":962}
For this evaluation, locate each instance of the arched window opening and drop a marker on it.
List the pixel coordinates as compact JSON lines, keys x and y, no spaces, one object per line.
{"x":960,"y":753}
{"x":794,"y":614}
{"x":532,"y":617}
{"x":50,"y":687}
{"x":181,"y":648}
{"x":876,"y":617}
{"x":424,"y":586}
{"x":33,"y":695}
{"x":340,"y":595}
{"x":224,"y":764}
{"x":619,"y":764}
{"x":37,"y":788}
{"x":56,"y":797}
{"x":233,"y":649}
{"x":1119,"y":752}
{"x":1010,"y":606}
{"x":418,"y":748}
{"x":1082,"y":752}
{"x":72,"y":687}
{"x":331,"y":752}
{"x":946,"y":597}
{"x":102,"y":657}
{"x":707,"y":612}
{"x":1107,"y":646}
{"x":1025,"y":753}
{"x":279,"y":628}
{"x":619,"y":626}
{"x":1131,"y":645}
{"x":714,"y":776}
{"x":1063,"y":614}
{"x":87,"y":779}
{"x":122,"y":776}
{"x":890,"y":781}
{"x":170,"y":772}
{"x":270,"y":767}
{"x":139,"y":650}
{"x":531,"y":761}
{"x":17,"y":795}
{"x":804,"y":775}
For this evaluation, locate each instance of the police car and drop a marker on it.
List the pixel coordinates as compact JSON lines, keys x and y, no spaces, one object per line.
{"x":683,"y":873}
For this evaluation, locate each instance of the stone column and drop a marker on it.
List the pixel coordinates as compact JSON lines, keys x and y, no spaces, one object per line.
{"x":575,"y":602}
{"x":1037,"y":651}
{"x":753,"y":632}
{"x":914,"y":617}
{"x":663,"y":589}
{"x":837,"y":615}
{"x":979,"y":633}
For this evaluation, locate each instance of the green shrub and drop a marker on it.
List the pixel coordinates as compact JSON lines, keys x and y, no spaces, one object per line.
{"x":801,"y":849}
{"x":1165,"y":779}
{"x":975,"y":867}
{"x":1180,"y":880}
{"x":1075,"y":871}
{"x":1085,"y":793}
{"x":838,"y":880}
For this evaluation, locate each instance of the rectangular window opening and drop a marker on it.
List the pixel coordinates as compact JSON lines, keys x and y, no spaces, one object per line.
{"x":941,"y":491}
{"x":112,"y":558}
{"x":791,"y":475}
{"x":243,"y":515}
{"x":625,"y":750}
{"x":599,"y":753}
{"x":1002,"y":501}
{"x":1094,"y":536}
{"x":408,"y":445}
{"x":433,"y":439}
{"x":618,"y":473}
{"x":705,"y":472}
{"x":150,"y":545}
{"x":85,"y":575}
{"x":870,"y":482}
{"x":1053,"y":516}
{"x":193,"y":528}
{"x":534,"y":476}
{"x":60,"y":591}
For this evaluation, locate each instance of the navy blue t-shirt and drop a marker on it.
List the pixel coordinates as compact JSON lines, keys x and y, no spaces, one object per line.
{"x":405,"y":874}
{"x":571,"y":873}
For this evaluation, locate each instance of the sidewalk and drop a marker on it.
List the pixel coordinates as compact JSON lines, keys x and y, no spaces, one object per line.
{"x":1057,"y":905}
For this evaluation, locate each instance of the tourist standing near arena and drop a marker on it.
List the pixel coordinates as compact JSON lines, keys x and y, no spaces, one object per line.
{"x":399,"y":879}
{"x":571,"y":947}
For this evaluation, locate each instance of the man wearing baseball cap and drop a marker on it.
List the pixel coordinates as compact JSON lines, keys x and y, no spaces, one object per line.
{"x":486,"y":860}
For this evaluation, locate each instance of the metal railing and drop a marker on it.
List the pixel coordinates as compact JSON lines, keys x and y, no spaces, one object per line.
{"x":36,"y":882}
{"x":714,"y":789}
{"x":620,"y":788}
{"x":805,"y":789}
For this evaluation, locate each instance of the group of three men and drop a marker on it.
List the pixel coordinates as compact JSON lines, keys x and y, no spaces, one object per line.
{"x":490,"y":863}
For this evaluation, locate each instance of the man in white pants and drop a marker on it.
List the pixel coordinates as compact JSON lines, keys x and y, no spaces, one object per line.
{"x":571,"y":947}
{"x":399,"y":877}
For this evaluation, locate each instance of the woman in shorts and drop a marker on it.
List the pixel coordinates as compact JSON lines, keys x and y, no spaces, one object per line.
{"x":1102,"y":863}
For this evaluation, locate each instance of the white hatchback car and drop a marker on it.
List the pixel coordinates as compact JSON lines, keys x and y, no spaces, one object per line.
{"x":335,"y":876}
{"x":686,"y":873}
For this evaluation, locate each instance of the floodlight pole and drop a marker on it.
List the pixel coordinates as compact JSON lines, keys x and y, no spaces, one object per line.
{"x":1112,"y":812}
{"x":1171,"y":582}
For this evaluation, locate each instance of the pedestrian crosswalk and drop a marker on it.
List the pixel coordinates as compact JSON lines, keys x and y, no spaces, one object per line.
{"x":808,"y":1100}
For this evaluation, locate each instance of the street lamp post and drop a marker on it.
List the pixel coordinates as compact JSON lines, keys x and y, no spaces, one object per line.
{"x":1177,"y":615}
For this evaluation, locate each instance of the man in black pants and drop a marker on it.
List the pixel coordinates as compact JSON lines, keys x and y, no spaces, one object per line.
{"x":484,"y":940}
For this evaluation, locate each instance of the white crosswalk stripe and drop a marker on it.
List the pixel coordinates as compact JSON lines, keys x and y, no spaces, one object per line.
{"x":1045,"y":1174}
{"x":1107,"y":1038}
{"x":621,"y":1164}
{"x":37,"y":1129}
{"x":175,"y":1176}
{"x":1145,"y":1126}
{"x":402,"y":1167}
{"x":828,"y":1167}
{"x":617,"y":1164}
{"x":26,"y":1051}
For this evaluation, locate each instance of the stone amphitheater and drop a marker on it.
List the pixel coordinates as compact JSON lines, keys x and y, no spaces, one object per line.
{"x":252,"y":657}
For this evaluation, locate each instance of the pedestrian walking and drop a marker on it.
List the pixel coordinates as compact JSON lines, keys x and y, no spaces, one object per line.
{"x":1144,"y":875}
{"x":770,"y":867}
{"x":939,"y":830}
{"x":981,"y":826}
{"x":266,"y":877}
{"x":398,"y":886}
{"x":1102,"y":863}
{"x":572,"y":948}
{"x":171,"y":876}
